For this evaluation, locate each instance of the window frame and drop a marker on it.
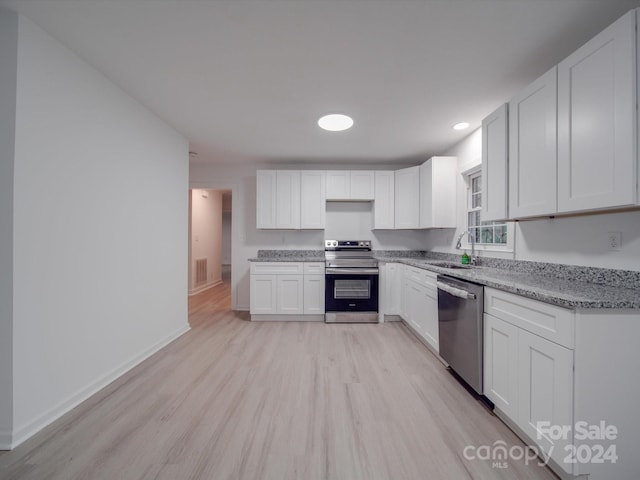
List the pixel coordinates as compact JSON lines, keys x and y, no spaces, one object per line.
{"x":468,"y":176}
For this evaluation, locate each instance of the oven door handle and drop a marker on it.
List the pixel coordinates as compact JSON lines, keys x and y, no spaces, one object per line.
{"x":351,"y":271}
{"x":456,"y":292}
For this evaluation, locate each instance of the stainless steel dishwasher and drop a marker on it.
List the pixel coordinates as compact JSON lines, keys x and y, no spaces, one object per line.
{"x":460,"y":308}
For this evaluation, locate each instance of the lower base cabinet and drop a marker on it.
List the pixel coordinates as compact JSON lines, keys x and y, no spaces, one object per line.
{"x":566,"y":382}
{"x":527,"y":376}
{"x":420,"y":304}
{"x":289,"y":290}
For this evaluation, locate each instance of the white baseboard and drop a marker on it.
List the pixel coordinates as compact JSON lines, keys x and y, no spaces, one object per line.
{"x":32,"y":427}
{"x":204,"y":287}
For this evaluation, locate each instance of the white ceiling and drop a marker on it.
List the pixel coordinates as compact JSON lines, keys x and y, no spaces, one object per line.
{"x":247,"y":79}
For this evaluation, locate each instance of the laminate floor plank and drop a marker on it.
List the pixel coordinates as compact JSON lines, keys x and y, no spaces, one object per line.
{"x":234,"y":399}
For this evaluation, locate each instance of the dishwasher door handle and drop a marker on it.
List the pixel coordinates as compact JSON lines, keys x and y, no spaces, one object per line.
{"x":456,"y":292}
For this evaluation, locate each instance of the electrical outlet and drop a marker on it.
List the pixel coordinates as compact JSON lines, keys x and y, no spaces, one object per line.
{"x":614,"y":241}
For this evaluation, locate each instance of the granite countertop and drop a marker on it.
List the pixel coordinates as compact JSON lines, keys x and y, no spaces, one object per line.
{"x":563,"y":285}
{"x":546,"y":288}
{"x":289,"y":256}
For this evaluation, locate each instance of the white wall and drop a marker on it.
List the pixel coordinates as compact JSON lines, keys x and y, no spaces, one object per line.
{"x":581,"y":240}
{"x":226,"y":237}
{"x":100,"y":233}
{"x":568,"y":240}
{"x":206,"y":235}
{"x":247,"y":240}
{"x":8,"y":66}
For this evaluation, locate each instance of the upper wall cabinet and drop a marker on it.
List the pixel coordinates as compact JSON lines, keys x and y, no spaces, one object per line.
{"x":350,"y":185}
{"x":278,"y":199}
{"x":532,"y":149}
{"x":597,"y":121}
{"x":407,"y":198}
{"x":312,"y":199}
{"x":438,"y":193}
{"x":494,"y":165}
{"x":384,"y":200}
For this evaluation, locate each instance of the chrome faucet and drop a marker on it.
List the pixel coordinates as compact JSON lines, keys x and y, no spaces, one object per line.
{"x":472,"y":240}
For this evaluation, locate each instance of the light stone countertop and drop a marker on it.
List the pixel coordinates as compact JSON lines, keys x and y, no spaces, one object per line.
{"x":546,"y":288}
{"x":565,"y":286}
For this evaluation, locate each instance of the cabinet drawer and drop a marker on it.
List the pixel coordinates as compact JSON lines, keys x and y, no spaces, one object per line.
{"x":423,"y":277}
{"x":554,"y":323}
{"x":314,"y":268}
{"x":413,"y":273}
{"x":276,"y":268}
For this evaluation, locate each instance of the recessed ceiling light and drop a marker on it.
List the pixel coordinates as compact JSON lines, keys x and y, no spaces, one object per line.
{"x":335,"y":122}
{"x":461,"y":126}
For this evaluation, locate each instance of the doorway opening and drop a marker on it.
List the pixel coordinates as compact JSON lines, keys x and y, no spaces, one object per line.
{"x":210,"y":225}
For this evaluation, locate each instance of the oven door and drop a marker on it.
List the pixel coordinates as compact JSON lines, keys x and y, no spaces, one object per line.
{"x":351,"y":290}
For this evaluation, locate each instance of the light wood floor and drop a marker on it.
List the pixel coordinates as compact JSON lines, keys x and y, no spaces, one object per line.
{"x":232,"y":399}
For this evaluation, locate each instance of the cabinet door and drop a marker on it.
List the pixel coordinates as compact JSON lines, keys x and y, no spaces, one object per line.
{"x":430,"y":313}
{"x":532,"y":149}
{"x":494,"y":165}
{"x":313,"y":294}
{"x":290,"y":294}
{"x":501,"y":365}
{"x":361,"y":185}
{"x":407,"y":198}
{"x":338,"y":185}
{"x":384,"y":200}
{"x":263,"y":294}
{"x":545,"y":391}
{"x":312,"y":199}
{"x":392,"y":289}
{"x":415,"y":312}
{"x":266,"y":199}
{"x":597,"y":160}
{"x":288,"y":199}
{"x":438,"y":193}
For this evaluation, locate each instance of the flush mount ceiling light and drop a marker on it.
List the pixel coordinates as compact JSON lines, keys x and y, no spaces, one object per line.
{"x":335,"y":122}
{"x":461,"y":126}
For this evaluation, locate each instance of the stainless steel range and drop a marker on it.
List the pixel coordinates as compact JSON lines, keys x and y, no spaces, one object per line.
{"x":351,"y":282}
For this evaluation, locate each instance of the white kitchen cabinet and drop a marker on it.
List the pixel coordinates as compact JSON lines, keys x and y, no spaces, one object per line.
{"x":494,"y":165}
{"x":392,"y":294}
{"x":312,"y":199}
{"x":288,"y":199}
{"x":597,"y":85}
{"x":287,"y":290}
{"x":438,"y":192}
{"x":263,"y":294}
{"x":545,"y":390}
{"x":313,"y":288}
{"x":414,"y":298}
{"x":350,"y":185}
{"x":278,"y":199}
{"x":289,"y":294}
{"x":533,"y":149}
{"x":528,"y":366}
{"x":430,"y":312}
{"x":407,"y":198}
{"x":420,"y":304}
{"x":501,"y":364}
{"x":384,"y":200}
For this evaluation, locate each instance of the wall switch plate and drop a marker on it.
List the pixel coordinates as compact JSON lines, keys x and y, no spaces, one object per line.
{"x":614,"y":240}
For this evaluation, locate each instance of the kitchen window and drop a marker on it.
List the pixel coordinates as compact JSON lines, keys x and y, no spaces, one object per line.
{"x":487,"y":235}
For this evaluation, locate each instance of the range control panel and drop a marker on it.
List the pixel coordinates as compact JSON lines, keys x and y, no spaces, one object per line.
{"x":347,"y":244}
